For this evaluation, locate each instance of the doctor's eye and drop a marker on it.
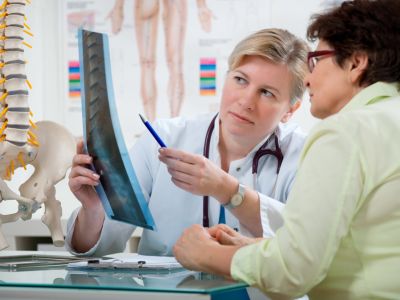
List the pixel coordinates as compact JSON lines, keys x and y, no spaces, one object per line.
{"x":240,"y":80}
{"x":267,"y":93}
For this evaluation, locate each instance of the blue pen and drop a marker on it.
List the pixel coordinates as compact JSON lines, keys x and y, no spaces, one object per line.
{"x":153,"y":133}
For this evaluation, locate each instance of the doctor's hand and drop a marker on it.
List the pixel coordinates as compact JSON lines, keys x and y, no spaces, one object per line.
{"x":225,"y":235}
{"x":90,"y":218}
{"x":82,"y":180}
{"x":198,"y":175}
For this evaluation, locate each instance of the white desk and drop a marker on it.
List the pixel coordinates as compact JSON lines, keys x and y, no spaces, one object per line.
{"x":60,"y":283}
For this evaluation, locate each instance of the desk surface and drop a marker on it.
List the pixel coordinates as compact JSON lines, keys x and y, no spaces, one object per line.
{"x":176,"y":282}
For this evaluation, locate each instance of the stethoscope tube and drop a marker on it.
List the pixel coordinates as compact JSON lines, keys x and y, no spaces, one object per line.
{"x":277,"y":153}
{"x":206,"y":154}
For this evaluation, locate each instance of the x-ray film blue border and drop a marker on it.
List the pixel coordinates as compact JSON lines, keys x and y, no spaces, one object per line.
{"x":99,"y":189}
{"x":119,"y":137}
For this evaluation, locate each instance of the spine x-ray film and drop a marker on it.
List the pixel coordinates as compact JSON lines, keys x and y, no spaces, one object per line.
{"x":119,"y":189}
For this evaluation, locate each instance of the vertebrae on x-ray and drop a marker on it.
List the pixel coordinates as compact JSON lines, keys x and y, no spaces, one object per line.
{"x":45,"y":145}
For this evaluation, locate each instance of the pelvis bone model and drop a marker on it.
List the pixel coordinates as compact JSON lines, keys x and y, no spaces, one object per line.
{"x":47,"y":146}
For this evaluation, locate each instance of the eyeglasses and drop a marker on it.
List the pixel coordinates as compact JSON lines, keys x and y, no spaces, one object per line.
{"x":313,"y":57}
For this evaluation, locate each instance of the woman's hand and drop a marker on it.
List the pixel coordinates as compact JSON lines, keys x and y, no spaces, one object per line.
{"x":90,"y":218}
{"x":82,"y":180}
{"x":192,"y":246}
{"x":198,"y":175}
{"x":225,"y":235}
{"x":197,"y":250}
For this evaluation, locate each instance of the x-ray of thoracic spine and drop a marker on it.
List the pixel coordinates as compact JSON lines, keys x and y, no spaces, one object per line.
{"x":119,"y":189}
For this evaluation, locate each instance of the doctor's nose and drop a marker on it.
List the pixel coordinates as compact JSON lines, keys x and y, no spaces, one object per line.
{"x":247,"y":100}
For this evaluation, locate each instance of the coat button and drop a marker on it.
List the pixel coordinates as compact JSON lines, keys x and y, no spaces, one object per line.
{"x":237,"y":169}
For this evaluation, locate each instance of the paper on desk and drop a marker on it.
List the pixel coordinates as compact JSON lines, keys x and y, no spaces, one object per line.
{"x":132,"y":261}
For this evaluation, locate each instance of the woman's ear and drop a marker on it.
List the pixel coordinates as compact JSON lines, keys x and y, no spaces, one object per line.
{"x":358,"y":63}
{"x":291,"y":111}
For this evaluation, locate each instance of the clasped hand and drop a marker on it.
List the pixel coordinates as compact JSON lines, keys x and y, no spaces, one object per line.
{"x":201,"y":248}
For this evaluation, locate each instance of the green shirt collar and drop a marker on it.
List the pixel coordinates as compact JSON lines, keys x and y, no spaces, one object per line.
{"x":372,"y":94}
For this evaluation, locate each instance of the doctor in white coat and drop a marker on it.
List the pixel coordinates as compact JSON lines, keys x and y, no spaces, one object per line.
{"x":243,"y":159}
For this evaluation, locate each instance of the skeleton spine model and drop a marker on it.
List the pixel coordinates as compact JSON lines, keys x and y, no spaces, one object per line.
{"x":47,"y":146}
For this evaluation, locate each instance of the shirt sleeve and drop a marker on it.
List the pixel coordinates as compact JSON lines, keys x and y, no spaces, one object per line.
{"x":317,"y":216}
{"x":112,"y":239}
{"x":271,"y":215}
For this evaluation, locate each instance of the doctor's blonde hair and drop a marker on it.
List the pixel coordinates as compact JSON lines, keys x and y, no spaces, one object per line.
{"x":278,"y":46}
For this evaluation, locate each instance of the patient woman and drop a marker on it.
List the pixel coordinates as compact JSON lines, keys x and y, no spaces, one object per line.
{"x":262,"y":90}
{"x":340,"y":238}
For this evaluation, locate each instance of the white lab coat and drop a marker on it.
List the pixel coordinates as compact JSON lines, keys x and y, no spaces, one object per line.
{"x":174,"y":209}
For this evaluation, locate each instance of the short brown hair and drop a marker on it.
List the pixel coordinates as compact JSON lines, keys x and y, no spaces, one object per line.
{"x":370,"y":26}
{"x":278,"y":46}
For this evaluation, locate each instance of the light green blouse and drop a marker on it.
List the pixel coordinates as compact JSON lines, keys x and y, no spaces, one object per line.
{"x":341,"y":238}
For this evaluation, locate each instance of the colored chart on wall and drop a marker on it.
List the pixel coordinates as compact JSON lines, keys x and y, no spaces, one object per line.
{"x":74,"y":80}
{"x":208,"y":80}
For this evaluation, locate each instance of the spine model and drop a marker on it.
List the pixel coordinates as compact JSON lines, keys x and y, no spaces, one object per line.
{"x":20,"y":137}
{"x":16,"y":135}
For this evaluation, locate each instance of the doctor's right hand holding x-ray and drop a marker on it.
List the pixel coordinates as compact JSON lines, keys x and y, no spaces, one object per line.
{"x":235,"y":167}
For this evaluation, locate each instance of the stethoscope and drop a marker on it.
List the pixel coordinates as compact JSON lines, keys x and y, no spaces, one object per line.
{"x":262,"y":151}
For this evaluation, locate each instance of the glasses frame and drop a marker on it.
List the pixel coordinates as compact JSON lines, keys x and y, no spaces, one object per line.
{"x":313,"y":55}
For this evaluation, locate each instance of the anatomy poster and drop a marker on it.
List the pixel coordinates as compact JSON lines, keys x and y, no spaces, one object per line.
{"x":169,"y":58}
